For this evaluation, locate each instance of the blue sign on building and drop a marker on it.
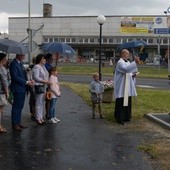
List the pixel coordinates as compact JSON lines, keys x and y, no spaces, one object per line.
{"x":161,"y":31}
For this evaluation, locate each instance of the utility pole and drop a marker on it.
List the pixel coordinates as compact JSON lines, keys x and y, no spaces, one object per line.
{"x":29,"y":34}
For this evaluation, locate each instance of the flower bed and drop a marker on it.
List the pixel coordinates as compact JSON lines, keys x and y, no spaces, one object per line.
{"x":108,"y":91}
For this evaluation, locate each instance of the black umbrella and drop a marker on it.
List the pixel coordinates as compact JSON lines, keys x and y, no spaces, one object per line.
{"x":11,"y":46}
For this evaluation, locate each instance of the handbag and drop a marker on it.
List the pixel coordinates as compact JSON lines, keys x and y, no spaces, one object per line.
{"x":3,"y":100}
{"x":48,"y":95}
{"x":39,"y":89}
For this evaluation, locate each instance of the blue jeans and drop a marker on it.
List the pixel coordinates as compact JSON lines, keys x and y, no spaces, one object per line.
{"x":52,"y":108}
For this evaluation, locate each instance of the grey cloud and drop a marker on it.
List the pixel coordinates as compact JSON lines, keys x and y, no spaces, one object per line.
{"x":84,"y":7}
{"x":80,"y":7}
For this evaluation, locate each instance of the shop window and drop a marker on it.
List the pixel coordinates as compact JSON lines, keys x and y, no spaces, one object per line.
{"x":124,"y":40}
{"x":45,"y":39}
{"x":81,"y":40}
{"x":130,"y":39}
{"x":104,"y":40}
{"x":92,"y":40}
{"x":118,"y":40}
{"x":50,"y":39}
{"x":67,"y":39}
{"x":55,"y":39}
{"x":86,"y":40}
{"x":145,"y":40}
{"x":98,"y":40}
{"x":164,"y":41}
{"x":73,"y":40}
{"x":62,"y":39}
{"x":150,"y":41}
{"x":110,"y":40}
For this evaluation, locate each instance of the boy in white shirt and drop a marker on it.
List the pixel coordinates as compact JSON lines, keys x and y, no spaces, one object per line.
{"x":96,"y":90}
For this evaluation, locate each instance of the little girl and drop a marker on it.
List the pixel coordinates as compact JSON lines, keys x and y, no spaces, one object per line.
{"x":55,"y":89}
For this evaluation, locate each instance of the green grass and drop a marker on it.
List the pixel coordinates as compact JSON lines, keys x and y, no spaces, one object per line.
{"x":153,"y":72}
{"x":84,"y":69}
{"x":145,"y":72}
{"x":147,"y":101}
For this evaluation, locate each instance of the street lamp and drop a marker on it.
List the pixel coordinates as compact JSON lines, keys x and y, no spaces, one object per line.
{"x":29,"y":34}
{"x":100,"y":20}
{"x":166,"y":13}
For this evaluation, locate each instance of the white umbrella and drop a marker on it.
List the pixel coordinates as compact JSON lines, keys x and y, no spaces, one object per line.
{"x":11,"y":46}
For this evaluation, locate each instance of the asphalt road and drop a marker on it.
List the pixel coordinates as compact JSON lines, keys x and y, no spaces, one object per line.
{"x":148,"y":83}
{"x":77,"y":143}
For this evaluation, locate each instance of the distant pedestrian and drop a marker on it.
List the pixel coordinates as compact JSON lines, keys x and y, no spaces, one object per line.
{"x":19,"y":87}
{"x":96,"y":90}
{"x":124,"y":86}
{"x":54,"y":88}
{"x":49,"y":61}
{"x":4,"y":92}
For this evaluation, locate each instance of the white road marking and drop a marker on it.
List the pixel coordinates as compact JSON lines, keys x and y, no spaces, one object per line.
{"x":146,"y":86}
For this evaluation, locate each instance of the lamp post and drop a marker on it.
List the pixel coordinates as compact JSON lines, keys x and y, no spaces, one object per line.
{"x":100,"y":20}
{"x":166,"y":13}
{"x":29,"y":34}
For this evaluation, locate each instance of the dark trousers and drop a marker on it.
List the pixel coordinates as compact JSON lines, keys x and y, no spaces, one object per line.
{"x":122,"y":113}
{"x":32,"y":101}
{"x":17,"y":106}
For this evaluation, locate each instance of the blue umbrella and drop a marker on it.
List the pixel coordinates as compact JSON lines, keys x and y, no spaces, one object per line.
{"x":59,"y":47}
{"x":131,"y":44}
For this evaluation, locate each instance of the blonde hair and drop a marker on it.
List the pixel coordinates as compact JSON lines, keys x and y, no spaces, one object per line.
{"x":53,"y":69}
{"x":95,"y":75}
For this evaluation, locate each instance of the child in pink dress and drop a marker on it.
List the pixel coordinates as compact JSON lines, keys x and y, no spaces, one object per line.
{"x":55,"y":89}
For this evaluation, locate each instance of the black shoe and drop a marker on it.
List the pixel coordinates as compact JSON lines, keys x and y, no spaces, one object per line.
{"x":43,"y":123}
{"x":120,"y":122}
{"x":17,"y":128}
{"x":127,"y":121}
{"x":33,"y":118}
{"x":23,"y":127}
{"x":39,"y":122}
{"x":101,"y":117}
{"x":47,"y":117}
{"x":93,"y":117}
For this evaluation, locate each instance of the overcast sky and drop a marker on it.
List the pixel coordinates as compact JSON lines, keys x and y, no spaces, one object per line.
{"x":19,"y":8}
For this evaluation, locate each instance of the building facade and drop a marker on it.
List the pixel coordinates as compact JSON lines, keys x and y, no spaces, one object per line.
{"x":82,"y":33}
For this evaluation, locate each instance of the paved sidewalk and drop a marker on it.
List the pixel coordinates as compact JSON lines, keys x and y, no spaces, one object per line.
{"x":77,"y":143}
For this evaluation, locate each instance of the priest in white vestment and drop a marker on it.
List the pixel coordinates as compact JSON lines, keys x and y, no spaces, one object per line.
{"x":124,"y":86}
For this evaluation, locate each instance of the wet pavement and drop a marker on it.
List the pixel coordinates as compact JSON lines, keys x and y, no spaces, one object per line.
{"x":76,"y":143}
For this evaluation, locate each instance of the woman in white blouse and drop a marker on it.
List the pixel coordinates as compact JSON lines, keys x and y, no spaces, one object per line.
{"x":40,"y":76}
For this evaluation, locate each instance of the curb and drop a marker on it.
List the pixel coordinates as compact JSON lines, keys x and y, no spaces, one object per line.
{"x":162,"y":123}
